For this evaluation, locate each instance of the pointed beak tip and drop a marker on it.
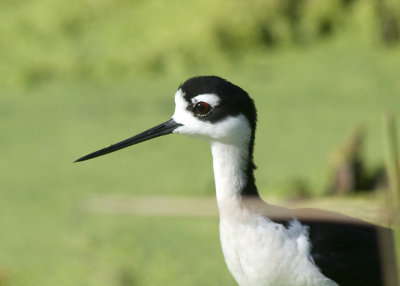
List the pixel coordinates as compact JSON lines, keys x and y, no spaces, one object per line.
{"x":159,"y":130}
{"x":79,"y":160}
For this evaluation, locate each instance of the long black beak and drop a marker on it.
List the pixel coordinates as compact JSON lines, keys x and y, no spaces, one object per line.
{"x":159,"y":130}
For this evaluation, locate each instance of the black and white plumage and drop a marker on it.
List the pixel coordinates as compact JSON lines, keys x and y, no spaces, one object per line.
{"x":265,"y":244}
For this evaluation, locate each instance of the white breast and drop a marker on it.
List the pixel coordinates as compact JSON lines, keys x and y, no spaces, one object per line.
{"x":259,"y":252}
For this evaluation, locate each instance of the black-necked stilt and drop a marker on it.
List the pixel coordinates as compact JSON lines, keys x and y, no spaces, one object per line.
{"x":265,"y":244}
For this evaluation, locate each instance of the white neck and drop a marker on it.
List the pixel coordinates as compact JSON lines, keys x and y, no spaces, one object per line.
{"x":229,"y":162}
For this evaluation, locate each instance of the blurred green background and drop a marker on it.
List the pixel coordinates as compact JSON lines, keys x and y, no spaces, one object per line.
{"x":78,"y":75}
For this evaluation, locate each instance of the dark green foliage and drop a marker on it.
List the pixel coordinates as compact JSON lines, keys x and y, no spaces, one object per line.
{"x":46,"y":40}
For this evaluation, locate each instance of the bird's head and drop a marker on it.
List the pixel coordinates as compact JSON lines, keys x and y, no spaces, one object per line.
{"x":206,"y":106}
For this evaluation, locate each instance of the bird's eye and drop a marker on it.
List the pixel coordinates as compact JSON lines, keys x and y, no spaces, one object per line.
{"x":202,"y":108}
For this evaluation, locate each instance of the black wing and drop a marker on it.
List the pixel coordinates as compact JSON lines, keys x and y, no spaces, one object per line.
{"x":353,"y":254}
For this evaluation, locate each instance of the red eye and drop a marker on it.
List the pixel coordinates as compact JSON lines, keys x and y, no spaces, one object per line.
{"x":202,"y":108}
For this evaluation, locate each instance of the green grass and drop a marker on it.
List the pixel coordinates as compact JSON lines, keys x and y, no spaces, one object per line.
{"x":308,"y":102}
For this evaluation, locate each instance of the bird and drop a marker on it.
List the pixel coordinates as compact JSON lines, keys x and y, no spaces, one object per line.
{"x":264,"y":244}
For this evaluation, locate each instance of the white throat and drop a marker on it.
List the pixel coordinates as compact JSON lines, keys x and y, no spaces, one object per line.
{"x":229,"y":177}
{"x":229,"y":163}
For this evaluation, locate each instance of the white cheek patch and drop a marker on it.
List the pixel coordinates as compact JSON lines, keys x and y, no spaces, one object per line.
{"x":210,"y":98}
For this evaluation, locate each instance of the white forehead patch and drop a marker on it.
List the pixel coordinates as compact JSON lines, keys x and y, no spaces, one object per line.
{"x":180,"y":106}
{"x":181,"y":114}
{"x":210,"y":98}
